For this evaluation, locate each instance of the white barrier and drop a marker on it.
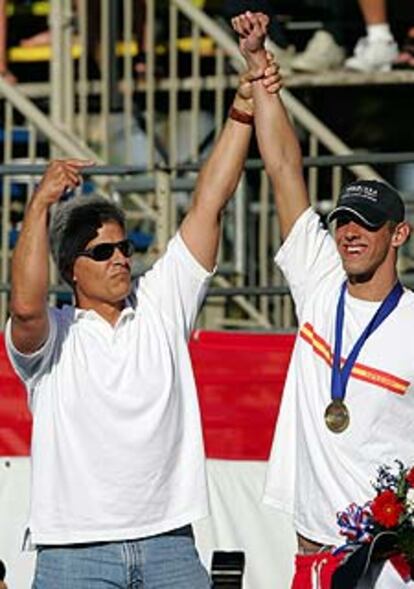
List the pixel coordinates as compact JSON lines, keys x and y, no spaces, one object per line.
{"x":238,"y":522}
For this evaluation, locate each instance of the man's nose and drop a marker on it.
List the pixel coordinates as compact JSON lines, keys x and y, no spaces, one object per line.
{"x":351,"y":230}
{"x":118,"y":256}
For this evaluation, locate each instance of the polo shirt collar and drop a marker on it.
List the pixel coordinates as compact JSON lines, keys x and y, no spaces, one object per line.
{"x":90,"y":314}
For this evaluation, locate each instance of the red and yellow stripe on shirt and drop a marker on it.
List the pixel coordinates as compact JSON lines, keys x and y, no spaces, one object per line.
{"x":359,"y":371}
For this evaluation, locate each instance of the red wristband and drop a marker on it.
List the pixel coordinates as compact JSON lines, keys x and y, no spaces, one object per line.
{"x":240,"y":116}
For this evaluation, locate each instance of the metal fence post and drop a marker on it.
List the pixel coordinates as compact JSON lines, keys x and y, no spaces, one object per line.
{"x":162,"y":205}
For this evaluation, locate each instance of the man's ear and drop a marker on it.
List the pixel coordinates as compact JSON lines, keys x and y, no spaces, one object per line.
{"x":401,"y":234}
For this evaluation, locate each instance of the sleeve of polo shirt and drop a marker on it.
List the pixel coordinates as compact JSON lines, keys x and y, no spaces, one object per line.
{"x":30,"y":367}
{"x":308,"y":257}
{"x":176,"y":285}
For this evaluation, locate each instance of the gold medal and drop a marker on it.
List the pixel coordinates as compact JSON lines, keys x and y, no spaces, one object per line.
{"x":336,"y":416}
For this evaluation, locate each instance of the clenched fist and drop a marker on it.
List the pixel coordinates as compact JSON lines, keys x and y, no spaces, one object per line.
{"x":60,"y":175}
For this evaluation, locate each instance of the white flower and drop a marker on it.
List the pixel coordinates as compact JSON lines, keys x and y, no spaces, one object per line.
{"x":409,"y":500}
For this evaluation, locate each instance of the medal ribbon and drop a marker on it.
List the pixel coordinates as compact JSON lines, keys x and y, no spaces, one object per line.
{"x":340,"y":377}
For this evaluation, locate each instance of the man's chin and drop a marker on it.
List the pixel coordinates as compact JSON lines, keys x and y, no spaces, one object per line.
{"x":358,"y":276}
{"x":122,"y":281}
{"x":120,"y":294}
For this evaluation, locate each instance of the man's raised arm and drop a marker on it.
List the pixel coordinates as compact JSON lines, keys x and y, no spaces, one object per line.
{"x":30,"y":276}
{"x":221,"y":173}
{"x":276,"y":137}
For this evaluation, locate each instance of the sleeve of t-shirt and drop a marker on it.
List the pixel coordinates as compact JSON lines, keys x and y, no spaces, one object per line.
{"x":176,"y":285}
{"x":307,"y":257}
{"x":30,"y":367}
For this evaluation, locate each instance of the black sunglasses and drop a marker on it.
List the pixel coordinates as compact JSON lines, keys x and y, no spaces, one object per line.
{"x":105,"y":251}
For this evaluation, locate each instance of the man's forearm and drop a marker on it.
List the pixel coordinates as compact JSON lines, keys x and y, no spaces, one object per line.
{"x":281,"y":154}
{"x":277,"y":140}
{"x":216,"y":183}
{"x":276,"y":136}
{"x":30,"y":263}
{"x":221,"y":172}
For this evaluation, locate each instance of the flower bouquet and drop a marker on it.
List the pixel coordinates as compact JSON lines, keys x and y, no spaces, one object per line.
{"x":382,"y":528}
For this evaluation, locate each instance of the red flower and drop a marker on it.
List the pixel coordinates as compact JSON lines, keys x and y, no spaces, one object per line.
{"x":410,"y":477}
{"x":386,"y":509}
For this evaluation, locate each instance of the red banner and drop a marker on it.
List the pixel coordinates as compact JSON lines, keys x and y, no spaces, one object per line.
{"x":239,"y":377}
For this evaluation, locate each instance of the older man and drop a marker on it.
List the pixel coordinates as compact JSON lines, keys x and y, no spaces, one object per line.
{"x":117,"y":453}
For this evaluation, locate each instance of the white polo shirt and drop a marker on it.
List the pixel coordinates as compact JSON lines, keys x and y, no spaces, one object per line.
{"x":117,"y":449}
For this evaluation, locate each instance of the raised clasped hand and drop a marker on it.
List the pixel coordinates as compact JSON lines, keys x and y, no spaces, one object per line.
{"x":272,"y":80}
{"x":252,"y":29}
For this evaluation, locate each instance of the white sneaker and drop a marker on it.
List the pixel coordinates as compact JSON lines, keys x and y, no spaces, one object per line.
{"x":321,"y":53}
{"x":372,"y":55}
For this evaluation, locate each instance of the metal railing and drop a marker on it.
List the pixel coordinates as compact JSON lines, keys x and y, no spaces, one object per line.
{"x":248,"y":290}
{"x":160,"y":116}
{"x":159,"y":126}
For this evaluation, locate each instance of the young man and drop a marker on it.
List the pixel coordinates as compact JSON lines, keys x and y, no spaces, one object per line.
{"x":117,"y":453}
{"x":334,"y":432}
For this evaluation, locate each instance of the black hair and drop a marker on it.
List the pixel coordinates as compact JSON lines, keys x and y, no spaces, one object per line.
{"x":74,"y":224}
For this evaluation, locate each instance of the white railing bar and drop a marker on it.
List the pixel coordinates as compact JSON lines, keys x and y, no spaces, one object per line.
{"x":128,"y":81}
{"x":313,"y":172}
{"x":172,"y":91}
{"x":67,"y":143}
{"x":82,"y":86}
{"x":68,"y":69}
{"x":150,"y":82}
{"x":5,"y":212}
{"x":264,"y":239}
{"x":195,"y":92}
{"x":240,"y":226}
{"x":31,"y":152}
{"x":105,"y":67}
{"x":55,"y":65}
{"x":219,"y":91}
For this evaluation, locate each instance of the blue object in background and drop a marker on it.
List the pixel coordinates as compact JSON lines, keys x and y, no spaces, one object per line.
{"x":140,"y":239}
{"x":13,"y":235}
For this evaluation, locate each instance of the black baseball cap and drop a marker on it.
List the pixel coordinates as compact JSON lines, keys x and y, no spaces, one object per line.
{"x":371,"y":201}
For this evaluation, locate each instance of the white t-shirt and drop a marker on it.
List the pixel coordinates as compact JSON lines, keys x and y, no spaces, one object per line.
{"x":117,"y":449}
{"x":314,"y":473}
